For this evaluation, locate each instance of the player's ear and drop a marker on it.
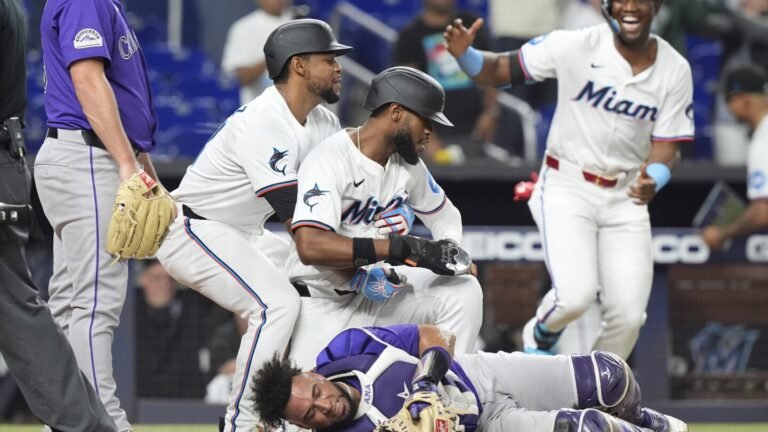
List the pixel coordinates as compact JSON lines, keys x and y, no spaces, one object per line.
{"x":298,"y":64}
{"x":396,"y":112}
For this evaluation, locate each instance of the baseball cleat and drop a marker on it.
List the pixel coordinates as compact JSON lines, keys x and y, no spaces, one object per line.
{"x":530,"y":346}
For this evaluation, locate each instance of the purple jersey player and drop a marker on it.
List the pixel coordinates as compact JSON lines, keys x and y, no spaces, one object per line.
{"x":100,"y":125}
{"x":366,"y":374}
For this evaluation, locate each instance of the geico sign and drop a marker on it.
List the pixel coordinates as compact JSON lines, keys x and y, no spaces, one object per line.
{"x":504,"y":245}
{"x":671,"y":248}
{"x":526,"y":245}
{"x":757,"y":248}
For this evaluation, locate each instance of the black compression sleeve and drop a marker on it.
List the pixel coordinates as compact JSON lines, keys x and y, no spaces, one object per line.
{"x":283,"y":201}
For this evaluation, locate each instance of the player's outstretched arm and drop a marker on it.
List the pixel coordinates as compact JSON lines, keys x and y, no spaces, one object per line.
{"x":754,"y":218}
{"x":316,"y":246}
{"x":484,"y":67}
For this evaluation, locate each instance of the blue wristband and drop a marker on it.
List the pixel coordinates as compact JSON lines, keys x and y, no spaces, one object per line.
{"x":471,"y":61}
{"x":660,"y":173}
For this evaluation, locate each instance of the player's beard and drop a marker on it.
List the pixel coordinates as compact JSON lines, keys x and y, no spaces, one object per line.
{"x":352,"y":406}
{"x":405,"y":146}
{"x":325,"y":92}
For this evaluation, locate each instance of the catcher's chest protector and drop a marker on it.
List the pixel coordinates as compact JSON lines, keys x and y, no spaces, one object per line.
{"x":384,"y":381}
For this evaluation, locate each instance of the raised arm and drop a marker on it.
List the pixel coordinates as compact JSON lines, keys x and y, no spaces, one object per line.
{"x":484,"y":67}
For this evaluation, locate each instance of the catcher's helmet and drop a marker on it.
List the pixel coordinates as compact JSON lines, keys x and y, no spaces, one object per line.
{"x":410,"y":88}
{"x":301,"y":36}
{"x":605,"y":8}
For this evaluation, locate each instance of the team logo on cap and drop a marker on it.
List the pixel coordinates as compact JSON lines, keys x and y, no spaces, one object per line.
{"x":88,"y":38}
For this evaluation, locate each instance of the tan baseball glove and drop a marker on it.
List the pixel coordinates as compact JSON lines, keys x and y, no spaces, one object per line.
{"x":141,"y":215}
{"x":434,"y":417}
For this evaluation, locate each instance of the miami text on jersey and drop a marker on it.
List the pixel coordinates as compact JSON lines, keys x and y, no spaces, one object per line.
{"x":358,"y":212}
{"x":624,"y":106}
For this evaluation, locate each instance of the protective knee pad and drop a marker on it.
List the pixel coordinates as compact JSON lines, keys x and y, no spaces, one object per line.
{"x":591,"y":420}
{"x":604,"y":380}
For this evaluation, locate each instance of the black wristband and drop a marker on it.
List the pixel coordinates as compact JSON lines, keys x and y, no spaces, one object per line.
{"x":363,"y":251}
{"x":398,"y":248}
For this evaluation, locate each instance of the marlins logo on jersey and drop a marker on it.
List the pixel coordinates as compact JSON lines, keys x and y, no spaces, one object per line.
{"x":278,"y":157}
{"x":315,"y":192}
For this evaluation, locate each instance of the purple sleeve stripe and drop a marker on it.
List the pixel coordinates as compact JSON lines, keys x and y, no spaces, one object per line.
{"x":313,"y":224}
{"x":265,"y":189}
{"x":440,"y":207}
{"x":521,"y":60}
{"x":673,"y":139}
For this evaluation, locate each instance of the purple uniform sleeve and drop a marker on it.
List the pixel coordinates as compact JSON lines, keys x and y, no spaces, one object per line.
{"x":370,"y":340}
{"x":85,"y":30}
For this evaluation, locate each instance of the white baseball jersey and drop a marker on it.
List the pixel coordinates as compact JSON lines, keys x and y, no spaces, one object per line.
{"x":228,"y":256}
{"x":342,"y":190}
{"x":257,"y":150}
{"x":606,"y":117}
{"x":757,"y":166}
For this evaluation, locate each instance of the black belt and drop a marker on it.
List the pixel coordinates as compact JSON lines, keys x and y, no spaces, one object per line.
{"x":89,"y":137}
{"x":188,"y":212}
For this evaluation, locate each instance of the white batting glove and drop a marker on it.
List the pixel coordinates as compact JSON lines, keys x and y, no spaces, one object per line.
{"x":398,"y":220}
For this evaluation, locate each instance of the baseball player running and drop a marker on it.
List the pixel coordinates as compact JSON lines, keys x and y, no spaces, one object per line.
{"x":100,"y":124}
{"x":366,"y":375}
{"x":624,"y":105}
{"x":351,"y":188}
{"x":245,"y":173}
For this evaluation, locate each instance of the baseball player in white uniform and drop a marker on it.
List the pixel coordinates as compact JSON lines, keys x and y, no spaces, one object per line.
{"x":746,"y":91}
{"x":345,"y":185}
{"x":624,"y":105}
{"x":246,"y":172}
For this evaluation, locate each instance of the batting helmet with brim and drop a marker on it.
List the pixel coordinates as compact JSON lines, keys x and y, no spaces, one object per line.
{"x":410,"y":88}
{"x":303,"y":36}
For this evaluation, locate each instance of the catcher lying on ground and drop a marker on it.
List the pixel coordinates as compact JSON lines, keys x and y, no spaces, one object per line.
{"x":403,"y":378}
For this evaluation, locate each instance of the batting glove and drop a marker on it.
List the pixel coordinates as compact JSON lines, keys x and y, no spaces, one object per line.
{"x":524,"y":189}
{"x":396,"y":221}
{"x":377,"y":283}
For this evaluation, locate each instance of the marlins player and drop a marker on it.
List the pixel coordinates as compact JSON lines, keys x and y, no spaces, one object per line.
{"x":365,"y":375}
{"x":245,"y":173}
{"x":345,"y":185}
{"x":624,"y":105}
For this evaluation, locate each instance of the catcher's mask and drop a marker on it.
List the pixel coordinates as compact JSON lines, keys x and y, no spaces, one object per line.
{"x":302,"y":36}
{"x":410,"y":88}
{"x":613,"y":23}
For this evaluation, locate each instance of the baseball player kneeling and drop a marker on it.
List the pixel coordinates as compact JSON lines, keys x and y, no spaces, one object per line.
{"x":356,"y":190}
{"x":406,"y":378}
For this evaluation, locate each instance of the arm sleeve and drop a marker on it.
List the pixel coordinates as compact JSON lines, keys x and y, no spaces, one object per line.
{"x":541,"y":57}
{"x":85,"y":30}
{"x":432,"y":206}
{"x":269,"y":155}
{"x":319,"y":197}
{"x":675,"y":121}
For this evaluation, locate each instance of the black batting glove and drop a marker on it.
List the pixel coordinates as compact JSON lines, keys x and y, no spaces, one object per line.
{"x":443,"y":257}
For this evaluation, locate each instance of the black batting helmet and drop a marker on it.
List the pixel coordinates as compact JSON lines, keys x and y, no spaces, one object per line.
{"x":605,"y":8}
{"x":301,"y":36}
{"x":410,"y":88}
